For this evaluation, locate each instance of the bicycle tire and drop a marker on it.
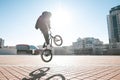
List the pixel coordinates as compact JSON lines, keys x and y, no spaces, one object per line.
{"x":59,"y":38}
{"x":43,"y":55}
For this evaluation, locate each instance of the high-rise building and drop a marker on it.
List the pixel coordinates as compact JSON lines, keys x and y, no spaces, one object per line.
{"x":113,"y":20}
{"x":1,"y":43}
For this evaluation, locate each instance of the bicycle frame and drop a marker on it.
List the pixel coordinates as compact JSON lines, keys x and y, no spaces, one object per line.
{"x":47,"y":54}
{"x":55,"y":38}
{"x":50,"y":37}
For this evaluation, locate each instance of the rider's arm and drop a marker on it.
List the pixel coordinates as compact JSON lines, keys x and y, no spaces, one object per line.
{"x":36,"y":25}
{"x":48,"y":24}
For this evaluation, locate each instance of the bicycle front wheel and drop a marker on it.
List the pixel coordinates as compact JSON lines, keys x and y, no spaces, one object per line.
{"x":58,"y":40}
{"x":46,"y":55}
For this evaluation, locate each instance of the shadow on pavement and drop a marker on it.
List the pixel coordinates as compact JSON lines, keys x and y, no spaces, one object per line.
{"x":41,"y":72}
{"x":56,"y":77}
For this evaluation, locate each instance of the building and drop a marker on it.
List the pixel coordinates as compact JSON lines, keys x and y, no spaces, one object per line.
{"x":105,"y":49}
{"x":78,"y":44}
{"x":88,"y":42}
{"x":113,"y":20}
{"x":1,"y":43}
{"x":69,"y":50}
{"x":87,"y":45}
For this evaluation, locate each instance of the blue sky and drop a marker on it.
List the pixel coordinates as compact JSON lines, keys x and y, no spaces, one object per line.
{"x":70,"y":19}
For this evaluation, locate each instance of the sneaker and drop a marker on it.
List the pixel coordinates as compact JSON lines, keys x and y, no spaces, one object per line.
{"x":44,"y":45}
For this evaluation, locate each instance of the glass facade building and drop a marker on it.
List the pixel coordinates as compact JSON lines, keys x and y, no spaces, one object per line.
{"x":113,"y":20}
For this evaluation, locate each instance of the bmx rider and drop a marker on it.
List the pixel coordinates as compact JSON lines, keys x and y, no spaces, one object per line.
{"x":43,"y":23}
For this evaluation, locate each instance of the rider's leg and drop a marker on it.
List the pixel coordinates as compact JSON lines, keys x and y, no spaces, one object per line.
{"x":46,"y":36}
{"x":44,"y":45}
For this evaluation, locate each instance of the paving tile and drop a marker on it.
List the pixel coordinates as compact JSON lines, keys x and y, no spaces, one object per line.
{"x":74,"y":79}
{"x":72,"y":72}
{"x":96,"y":73}
{"x":8,"y":75}
{"x":116,"y":77}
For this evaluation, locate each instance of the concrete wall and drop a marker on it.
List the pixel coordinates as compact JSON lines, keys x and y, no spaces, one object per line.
{"x":59,"y":51}
{"x":8,"y":51}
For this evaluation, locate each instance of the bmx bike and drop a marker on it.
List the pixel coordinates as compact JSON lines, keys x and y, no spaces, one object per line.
{"x":47,"y":53}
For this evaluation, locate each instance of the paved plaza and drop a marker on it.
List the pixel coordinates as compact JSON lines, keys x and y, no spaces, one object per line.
{"x":60,"y":68}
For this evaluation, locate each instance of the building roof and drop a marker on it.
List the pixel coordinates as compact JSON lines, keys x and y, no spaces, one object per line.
{"x":115,"y":8}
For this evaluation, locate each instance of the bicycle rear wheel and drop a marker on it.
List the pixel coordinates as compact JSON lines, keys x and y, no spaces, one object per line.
{"x":46,"y":55}
{"x":58,"y":40}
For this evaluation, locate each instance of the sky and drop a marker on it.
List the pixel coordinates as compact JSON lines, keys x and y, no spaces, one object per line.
{"x":70,"y":18}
